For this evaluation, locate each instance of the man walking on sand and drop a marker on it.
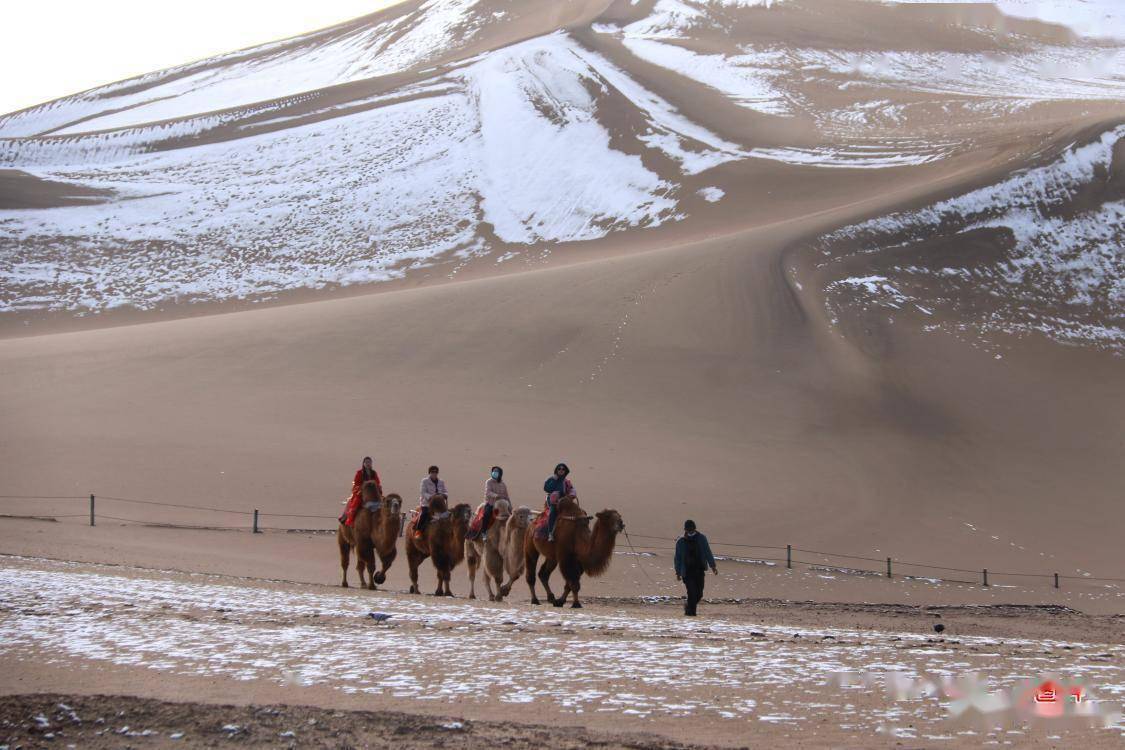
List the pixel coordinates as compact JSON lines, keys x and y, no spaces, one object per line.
{"x":693,"y":557}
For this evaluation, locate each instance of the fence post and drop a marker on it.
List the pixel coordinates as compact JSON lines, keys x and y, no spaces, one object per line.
{"x":92,"y":512}
{"x":256,"y":522}
{"x":789,"y":555}
{"x":1056,"y":580}
{"x":985,"y":572}
{"x":888,"y":567}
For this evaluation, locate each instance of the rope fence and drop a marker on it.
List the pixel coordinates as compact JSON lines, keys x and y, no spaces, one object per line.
{"x":256,"y":527}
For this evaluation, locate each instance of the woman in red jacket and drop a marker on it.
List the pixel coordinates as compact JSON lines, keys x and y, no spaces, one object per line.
{"x":366,"y":473}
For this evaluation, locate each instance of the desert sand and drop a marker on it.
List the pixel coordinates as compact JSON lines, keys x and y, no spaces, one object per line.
{"x":822,"y":274}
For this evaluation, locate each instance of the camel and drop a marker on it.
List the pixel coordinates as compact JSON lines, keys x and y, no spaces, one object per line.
{"x":577,"y":549}
{"x":443,"y":542}
{"x":501,"y":552}
{"x":374,"y":532}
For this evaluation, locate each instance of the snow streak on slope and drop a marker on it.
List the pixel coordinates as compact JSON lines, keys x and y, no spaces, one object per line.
{"x":510,"y":146}
{"x":273,"y":71}
{"x":1061,"y":274}
{"x":785,"y":80}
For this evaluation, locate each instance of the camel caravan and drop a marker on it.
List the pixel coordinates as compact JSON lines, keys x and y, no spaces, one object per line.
{"x":500,"y":541}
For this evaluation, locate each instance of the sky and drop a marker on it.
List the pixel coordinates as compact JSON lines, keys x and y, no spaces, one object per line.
{"x":51,"y":49}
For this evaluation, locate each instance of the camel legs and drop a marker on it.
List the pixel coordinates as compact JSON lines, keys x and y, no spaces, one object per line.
{"x":544,"y":577}
{"x":385,"y":564}
{"x":414,"y":558}
{"x":506,"y":588}
{"x":472,"y":560}
{"x":531,"y":558}
{"x":492,"y":596}
{"x":443,"y":577}
{"x":574,"y":586}
{"x":369,"y":564}
{"x":566,"y":592}
{"x":345,"y":558}
{"x":493,"y":573}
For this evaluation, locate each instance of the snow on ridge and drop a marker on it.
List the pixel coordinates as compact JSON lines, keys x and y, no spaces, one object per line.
{"x":272,"y":71}
{"x":510,"y":145}
{"x":738,"y":77}
{"x":1072,"y":261}
{"x":528,"y":161}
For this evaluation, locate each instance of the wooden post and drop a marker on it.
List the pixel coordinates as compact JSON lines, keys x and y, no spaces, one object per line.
{"x":985,"y":572}
{"x":92,"y":510}
{"x":888,"y":567}
{"x":1056,"y":580}
{"x":789,"y":555}
{"x":256,"y":522}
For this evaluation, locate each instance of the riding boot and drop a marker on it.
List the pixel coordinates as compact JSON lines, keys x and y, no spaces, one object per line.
{"x":486,"y":521}
{"x":423,"y":519}
{"x":552,"y":518}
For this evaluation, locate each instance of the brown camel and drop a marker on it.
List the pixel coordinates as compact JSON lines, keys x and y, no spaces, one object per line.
{"x":577,"y":549}
{"x":374,"y":532}
{"x":443,"y":542}
{"x":501,"y":552}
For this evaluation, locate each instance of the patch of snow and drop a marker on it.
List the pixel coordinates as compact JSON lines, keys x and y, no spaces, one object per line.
{"x":276,"y":70}
{"x":357,"y":198}
{"x":711,"y":194}
{"x":1061,"y":258}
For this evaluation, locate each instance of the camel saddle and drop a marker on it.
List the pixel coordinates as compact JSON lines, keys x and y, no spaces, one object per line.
{"x":414,"y":514}
{"x":477,"y":524}
{"x":539,"y":528}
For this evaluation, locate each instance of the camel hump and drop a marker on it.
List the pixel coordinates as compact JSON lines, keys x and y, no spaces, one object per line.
{"x":370,"y":491}
{"x":439,"y":503}
{"x":570,"y":507}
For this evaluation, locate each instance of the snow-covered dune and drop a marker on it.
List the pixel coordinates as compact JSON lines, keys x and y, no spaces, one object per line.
{"x":1055,"y":263}
{"x":448,"y":133}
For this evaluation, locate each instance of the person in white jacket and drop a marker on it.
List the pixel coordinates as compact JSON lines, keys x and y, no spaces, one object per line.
{"x":431,"y":485}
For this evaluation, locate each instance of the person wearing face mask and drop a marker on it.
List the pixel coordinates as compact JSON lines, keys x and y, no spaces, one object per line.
{"x":495,"y":489}
{"x":557,"y":487}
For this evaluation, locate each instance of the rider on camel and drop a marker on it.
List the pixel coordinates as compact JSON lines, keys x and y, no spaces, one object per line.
{"x":431,"y":486}
{"x":494,"y":489}
{"x":366,"y":473}
{"x":557,"y":487}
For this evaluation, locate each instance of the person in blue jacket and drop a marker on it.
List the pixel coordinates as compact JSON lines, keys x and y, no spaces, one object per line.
{"x":693,"y":557}
{"x":557,"y":486}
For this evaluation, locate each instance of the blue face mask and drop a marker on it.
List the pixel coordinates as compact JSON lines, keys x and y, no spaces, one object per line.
{"x":496,"y":475}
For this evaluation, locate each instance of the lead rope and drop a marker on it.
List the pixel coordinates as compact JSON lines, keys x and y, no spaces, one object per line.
{"x":640,"y":564}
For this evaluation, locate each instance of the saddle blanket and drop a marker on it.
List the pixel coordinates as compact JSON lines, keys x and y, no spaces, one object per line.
{"x":539,"y":527}
{"x":477,"y":524}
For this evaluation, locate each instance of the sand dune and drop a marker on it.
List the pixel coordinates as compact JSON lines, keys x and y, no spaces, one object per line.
{"x":841,"y":274}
